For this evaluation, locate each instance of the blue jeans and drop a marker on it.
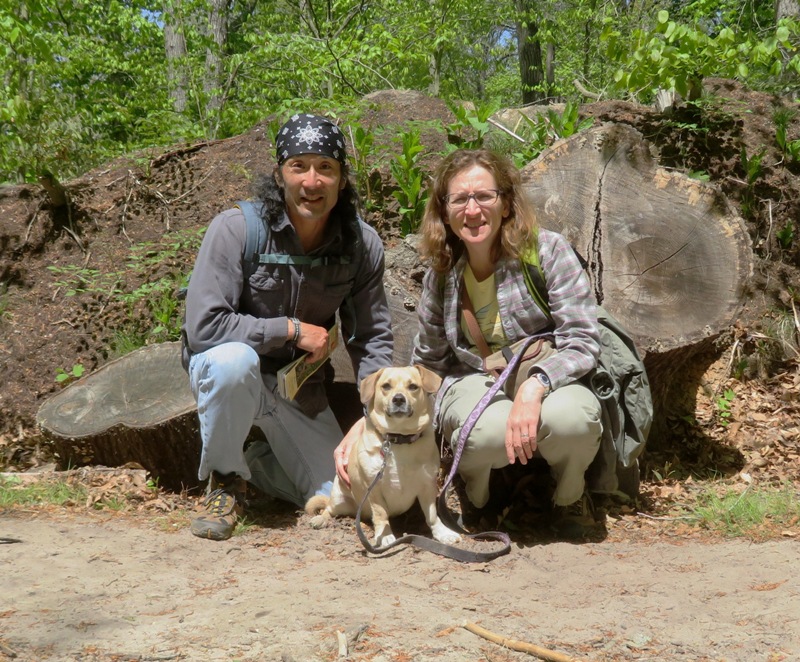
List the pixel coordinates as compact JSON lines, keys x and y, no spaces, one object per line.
{"x":232,"y":395}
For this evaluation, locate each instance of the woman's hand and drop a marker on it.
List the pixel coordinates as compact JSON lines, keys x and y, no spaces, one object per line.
{"x":341,"y":456}
{"x":522,"y":426}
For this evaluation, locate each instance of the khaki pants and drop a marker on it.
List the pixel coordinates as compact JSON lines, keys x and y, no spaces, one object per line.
{"x":568,"y":439}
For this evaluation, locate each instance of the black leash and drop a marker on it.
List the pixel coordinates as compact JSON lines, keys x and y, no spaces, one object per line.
{"x":429,"y":544}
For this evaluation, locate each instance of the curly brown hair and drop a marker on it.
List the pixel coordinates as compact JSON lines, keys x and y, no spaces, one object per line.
{"x":518,"y":232}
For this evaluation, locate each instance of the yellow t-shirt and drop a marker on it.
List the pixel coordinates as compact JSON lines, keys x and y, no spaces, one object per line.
{"x":484,"y":300}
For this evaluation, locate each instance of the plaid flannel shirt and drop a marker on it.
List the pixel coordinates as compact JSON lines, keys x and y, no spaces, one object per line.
{"x":441,"y":346}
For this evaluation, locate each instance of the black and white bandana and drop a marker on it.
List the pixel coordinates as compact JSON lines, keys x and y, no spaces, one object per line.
{"x":310,"y":134}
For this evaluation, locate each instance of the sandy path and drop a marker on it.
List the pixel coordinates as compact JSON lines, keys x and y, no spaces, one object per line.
{"x":87,"y":588}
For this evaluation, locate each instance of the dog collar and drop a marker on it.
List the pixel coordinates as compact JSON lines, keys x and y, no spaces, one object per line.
{"x":401,"y":438}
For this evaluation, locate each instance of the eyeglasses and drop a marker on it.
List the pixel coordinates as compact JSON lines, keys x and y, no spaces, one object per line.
{"x":458,"y":201}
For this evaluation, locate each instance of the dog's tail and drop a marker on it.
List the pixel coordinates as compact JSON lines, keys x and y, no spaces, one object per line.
{"x":316,"y":504}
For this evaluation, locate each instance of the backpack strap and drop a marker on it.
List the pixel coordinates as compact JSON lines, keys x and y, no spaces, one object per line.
{"x":256,"y":242}
{"x":534,"y":279}
{"x":257,"y":235}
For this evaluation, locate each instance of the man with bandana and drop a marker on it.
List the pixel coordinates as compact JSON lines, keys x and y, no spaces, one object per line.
{"x":240,"y":328}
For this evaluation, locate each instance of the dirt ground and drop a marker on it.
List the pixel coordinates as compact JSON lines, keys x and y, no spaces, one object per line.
{"x":117,"y":587}
{"x":89,"y":584}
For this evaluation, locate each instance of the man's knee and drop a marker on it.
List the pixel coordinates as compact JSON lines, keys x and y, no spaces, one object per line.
{"x":231,"y":364}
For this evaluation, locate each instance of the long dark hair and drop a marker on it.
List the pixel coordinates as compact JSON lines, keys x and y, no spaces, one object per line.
{"x":518,"y":232}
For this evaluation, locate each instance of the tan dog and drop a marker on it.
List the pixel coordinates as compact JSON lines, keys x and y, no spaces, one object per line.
{"x":398,"y":409}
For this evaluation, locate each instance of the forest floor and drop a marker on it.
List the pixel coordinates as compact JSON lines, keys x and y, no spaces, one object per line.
{"x":119,"y":577}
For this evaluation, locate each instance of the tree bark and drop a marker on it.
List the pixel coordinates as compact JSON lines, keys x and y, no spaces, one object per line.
{"x":212,"y":82}
{"x":667,"y":255}
{"x":175,"y":48}
{"x":531,"y":67}
{"x":786,"y":9}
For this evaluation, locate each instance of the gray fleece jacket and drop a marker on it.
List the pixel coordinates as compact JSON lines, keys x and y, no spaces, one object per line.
{"x":221,"y":307}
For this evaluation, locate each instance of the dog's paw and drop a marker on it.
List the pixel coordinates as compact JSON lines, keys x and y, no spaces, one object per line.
{"x":318,"y":522}
{"x":385,"y":539}
{"x":444,"y":535}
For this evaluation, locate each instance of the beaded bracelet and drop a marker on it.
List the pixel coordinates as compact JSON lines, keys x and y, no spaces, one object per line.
{"x":296,"y":335}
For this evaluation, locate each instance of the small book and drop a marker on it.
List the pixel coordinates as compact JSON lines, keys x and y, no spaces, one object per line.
{"x":293,"y":375}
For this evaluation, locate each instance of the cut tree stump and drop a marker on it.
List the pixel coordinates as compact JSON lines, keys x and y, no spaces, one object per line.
{"x":139,"y":408}
{"x":668,"y":256}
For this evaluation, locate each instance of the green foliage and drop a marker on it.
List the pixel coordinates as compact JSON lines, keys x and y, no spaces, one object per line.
{"x":746,"y":513}
{"x":753,"y":170}
{"x":363,"y":142}
{"x":724,"y":406}
{"x":789,"y":148}
{"x":543,"y":130}
{"x":63,"y":377}
{"x":126,"y":340}
{"x":80,"y":78}
{"x":677,"y":56}
{"x":15,"y":492}
{"x":88,"y":81}
{"x":785,"y":235}
{"x":471,"y":126}
{"x":412,"y":193}
{"x":158,"y":293}
{"x":80,"y":280}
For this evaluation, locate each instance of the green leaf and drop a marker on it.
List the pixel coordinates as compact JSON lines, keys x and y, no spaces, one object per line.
{"x":663,"y":16}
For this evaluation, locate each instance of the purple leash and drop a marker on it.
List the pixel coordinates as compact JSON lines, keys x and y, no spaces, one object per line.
{"x":466,"y":429}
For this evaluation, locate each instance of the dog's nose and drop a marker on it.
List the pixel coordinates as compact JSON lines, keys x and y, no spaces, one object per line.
{"x":398,"y":399}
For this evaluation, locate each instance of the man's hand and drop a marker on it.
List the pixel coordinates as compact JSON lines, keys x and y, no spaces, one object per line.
{"x":314,"y":340}
{"x":522,"y":427}
{"x":341,"y":456}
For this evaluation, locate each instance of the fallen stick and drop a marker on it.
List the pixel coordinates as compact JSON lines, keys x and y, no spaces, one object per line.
{"x":522,"y":646}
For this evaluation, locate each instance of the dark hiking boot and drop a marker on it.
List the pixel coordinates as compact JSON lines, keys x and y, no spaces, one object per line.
{"x":221,"y":508}
{"x":575,"y":521}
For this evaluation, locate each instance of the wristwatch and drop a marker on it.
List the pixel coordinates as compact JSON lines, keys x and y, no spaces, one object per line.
{"x":544,"y":380}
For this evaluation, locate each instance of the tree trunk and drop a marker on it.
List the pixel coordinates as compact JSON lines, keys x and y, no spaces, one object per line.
{"x":668,"y":256}
{"x":550,"y":67}
{"x":435,"y":72}
{"x":137,"y":408}
{"x":531,"y":67}
{"x":175,"y":48}
{"x":787,"y":9}
{"x":212,"y":83}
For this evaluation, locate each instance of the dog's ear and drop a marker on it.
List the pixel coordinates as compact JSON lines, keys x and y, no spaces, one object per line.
{"x":430,"y":380}
{"x":367,"y":388}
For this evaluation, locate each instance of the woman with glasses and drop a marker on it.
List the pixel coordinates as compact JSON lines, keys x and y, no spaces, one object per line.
{"x":477,"y":227}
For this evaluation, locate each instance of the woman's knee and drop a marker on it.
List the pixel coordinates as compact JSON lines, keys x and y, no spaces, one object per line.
{"x":572,"y":412}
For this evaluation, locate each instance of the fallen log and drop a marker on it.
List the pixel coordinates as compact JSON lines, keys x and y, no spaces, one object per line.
{"x":667,"y":255}
{"x":139,"y":408}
